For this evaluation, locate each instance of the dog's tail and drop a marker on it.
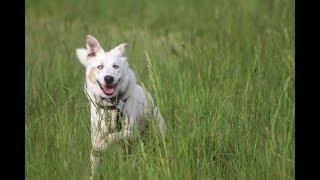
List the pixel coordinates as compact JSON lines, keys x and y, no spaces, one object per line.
{"x":162,"y":125}
{"x":156,"y":114}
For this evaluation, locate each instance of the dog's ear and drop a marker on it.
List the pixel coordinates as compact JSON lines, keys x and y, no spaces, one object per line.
{"x":93,"y":47}
{"x":120,"y":50}
{"x":82,"y":56}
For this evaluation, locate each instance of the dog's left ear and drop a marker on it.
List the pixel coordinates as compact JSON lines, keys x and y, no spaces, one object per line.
{"x":120,"y":50}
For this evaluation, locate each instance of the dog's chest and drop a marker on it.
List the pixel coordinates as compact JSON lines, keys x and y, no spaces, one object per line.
{"x":102,"y":103}
{"x":107,"y":120}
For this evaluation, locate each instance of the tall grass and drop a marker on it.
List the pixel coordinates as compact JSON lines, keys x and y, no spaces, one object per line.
{"x":221,"y":72}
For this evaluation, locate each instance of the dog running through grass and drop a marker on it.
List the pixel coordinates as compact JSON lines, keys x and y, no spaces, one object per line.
{"x":112,"y":90}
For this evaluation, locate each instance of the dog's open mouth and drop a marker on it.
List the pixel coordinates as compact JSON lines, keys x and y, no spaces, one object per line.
{"x":108,"y":89}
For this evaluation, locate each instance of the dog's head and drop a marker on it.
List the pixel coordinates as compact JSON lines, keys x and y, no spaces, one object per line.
{"x":105,"y":71}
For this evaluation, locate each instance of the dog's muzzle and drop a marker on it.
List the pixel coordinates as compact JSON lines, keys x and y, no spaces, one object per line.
{"x":107,"y":89}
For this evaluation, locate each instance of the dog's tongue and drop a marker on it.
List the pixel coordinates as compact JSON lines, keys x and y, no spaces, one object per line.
{"x":108,"y":89}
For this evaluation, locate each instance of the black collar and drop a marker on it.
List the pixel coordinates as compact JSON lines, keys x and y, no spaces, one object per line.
{"x":116,"y":102}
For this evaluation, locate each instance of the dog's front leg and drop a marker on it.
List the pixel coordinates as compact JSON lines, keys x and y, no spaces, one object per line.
{"x":98,"y":128}
{"x":113,"y":119}
{"x":95,"y":161}
{"x":126,"y":133}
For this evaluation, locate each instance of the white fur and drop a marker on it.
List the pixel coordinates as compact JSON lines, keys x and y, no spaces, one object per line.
{"x":82,"y":56}
{"x":139,"y":104}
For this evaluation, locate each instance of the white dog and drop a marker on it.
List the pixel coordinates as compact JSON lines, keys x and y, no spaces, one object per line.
{"x":112,"y":90}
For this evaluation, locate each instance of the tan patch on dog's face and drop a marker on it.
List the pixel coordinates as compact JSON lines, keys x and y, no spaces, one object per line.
{"x":92,"y":75}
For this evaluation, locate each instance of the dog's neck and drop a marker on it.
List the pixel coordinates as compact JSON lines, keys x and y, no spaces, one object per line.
{"x":129,"y":83}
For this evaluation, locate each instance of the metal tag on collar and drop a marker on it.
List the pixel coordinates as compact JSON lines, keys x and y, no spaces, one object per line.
{"x":120,"y":105}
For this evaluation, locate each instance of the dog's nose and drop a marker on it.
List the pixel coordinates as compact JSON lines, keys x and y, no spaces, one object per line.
{"x":108,"y":79}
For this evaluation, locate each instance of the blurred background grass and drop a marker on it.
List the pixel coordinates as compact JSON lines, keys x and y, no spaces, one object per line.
{"x":222,"y":75}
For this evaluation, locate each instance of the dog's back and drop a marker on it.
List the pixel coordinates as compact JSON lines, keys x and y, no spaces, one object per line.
{"x":141,"y":104}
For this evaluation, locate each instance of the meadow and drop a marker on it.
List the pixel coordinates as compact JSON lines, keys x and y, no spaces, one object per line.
{"x":221,"y":72}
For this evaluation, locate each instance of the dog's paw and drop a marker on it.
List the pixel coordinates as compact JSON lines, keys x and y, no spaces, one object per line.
{"x":100,"y":144}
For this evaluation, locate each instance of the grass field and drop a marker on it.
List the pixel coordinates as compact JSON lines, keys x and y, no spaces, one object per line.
{"x":221,"y":72}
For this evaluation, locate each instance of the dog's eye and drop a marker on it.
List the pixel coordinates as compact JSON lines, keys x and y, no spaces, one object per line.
{"x":115,"y":66}
{"x":100,"y":67}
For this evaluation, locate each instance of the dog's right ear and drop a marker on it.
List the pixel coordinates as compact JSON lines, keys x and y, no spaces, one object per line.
{"x":93,"y":47}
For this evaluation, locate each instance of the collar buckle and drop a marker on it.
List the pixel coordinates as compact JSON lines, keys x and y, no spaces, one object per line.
{"x":120,"y":105}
